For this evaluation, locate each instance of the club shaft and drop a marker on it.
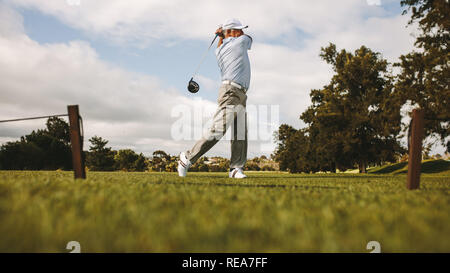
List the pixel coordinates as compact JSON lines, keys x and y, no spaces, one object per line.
{"x":204,"y":56}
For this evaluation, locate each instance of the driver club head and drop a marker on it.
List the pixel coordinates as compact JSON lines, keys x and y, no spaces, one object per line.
{"x":193,"y":87}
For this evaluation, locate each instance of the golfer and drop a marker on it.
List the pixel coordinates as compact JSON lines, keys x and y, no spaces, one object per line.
{"x":234,"y":65}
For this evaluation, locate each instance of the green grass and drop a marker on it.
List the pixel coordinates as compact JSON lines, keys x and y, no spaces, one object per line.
{"x":207,"y":212}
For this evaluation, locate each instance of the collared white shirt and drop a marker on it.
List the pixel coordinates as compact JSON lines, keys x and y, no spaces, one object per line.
{"x":233,"y":61}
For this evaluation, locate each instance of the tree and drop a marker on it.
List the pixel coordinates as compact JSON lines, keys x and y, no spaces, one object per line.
{"x":99,"y":157}
{"x":125,"y":160}
{"x":425,"y":74}
{"x":42,"y":149}
{"x":355,"y":117}
{"x":223,"y":164}
{"x":293,"y":150}
{"x":172,"y":165}
{"x":252,"y":166}
{"x":159,"y":161}
{"x":282,"y":154}
{"x":202,"y":167}
{"x":21,"y":155}
{"x":140,"y":164}
{"x":58,"y":129}
{"x":199,"y":165}
{"x":267,"y":168}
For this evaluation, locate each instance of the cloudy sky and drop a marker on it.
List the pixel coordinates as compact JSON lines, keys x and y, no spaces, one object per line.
{"x":127,"y":63}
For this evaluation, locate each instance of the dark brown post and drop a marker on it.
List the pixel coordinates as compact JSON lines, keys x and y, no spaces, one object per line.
{"x":75,"y":140}
{"x":415,"y":149}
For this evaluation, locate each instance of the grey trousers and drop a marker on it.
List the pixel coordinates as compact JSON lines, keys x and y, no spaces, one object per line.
{"x":230,"y":112}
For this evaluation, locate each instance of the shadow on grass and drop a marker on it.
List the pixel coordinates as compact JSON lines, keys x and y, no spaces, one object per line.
{"x":244,"y":185}
{"x":294,"y":176}
{"x":390,"y":168}
{"x":433,"y":166}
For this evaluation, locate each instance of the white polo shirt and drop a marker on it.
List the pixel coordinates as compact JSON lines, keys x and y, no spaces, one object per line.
{"x":233,"y":61}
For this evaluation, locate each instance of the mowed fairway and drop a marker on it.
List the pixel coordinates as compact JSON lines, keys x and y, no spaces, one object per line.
{"x":208,"y":212}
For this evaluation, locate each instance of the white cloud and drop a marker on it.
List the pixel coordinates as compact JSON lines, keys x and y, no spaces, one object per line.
{"x":207,"y":84}
{"x":12,"y":23}
{"x":374,"y":2}
{"x":145,"y":21}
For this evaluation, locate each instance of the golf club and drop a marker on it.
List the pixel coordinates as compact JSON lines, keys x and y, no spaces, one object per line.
{"x":193,"y":86}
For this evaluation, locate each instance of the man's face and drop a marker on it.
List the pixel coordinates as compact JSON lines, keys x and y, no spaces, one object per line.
{"x":233,"y":33}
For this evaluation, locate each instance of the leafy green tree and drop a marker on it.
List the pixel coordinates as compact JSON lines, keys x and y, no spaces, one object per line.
{"x":141,"y":163}
{"x":21,"y":155}
{"x":161,"y":154}
{"x":223,"y":164}
{"x":172,"y":165}
{"x":125,"y":160}
{"x":267,"y":168}
{"x":356,"y":116}
{"x":215,"y":168}
{"x":425,"y":73}
{"x":199,"y":165}
{"x":202,"y":167}
{"x":159,"y":161}
{"x":355,"y":119}
{"x":59,"y":129}
{"x":292,"y":151}
{"x":42,"y":149}
{"x":251,"y":166}
{"x":282,"y":154}
{"x":99,"y":158}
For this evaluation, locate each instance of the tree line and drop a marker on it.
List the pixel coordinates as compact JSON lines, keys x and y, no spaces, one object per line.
{"x":355,"y":120}
{"x":49,"y":149}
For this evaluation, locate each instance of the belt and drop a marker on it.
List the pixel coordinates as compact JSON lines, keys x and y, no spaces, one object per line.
{"x":234,"y":84}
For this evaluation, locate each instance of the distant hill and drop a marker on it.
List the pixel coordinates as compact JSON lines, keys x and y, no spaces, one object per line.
{"x":428,"y":166}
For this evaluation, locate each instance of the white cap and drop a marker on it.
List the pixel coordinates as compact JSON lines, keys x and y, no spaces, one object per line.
{"x":232,"y":24}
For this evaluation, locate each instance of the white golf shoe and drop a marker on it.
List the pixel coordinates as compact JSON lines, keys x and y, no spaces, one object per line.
{"x":237,"y":173}
{"x":183,"y":165}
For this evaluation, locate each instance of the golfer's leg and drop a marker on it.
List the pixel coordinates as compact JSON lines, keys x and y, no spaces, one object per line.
{"x":239,"y":141}
{"x":200,"y":148}
{"x":221,"y":121}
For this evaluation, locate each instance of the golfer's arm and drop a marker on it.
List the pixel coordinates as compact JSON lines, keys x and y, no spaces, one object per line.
{"x":220,"y":41}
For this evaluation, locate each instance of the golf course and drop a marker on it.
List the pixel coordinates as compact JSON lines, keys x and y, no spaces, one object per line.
{"x":41,"y":211}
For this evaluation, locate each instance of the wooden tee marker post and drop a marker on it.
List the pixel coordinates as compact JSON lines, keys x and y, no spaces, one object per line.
{"x":415,"y":149}
{"x":76,"y":142}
